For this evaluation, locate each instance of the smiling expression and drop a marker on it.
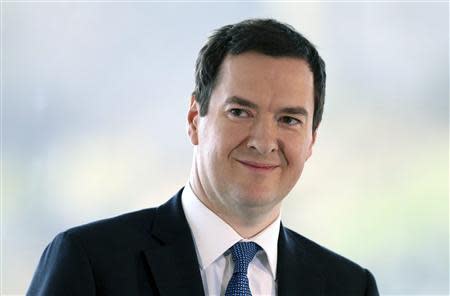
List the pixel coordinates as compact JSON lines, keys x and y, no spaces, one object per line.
{"x":252,"y":144}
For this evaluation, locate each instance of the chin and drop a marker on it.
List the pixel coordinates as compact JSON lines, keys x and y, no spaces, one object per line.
{"x":256,"y":198}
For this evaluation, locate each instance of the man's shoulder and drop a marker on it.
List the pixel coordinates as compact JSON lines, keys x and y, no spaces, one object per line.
{"x":129,"y":219}
{"x":335,"y":274}
{"x":137,"y":229}
{"x":138,"y":218}
{"x":323,"y":257}
{"x":133,"y":227}
{"x":85,"y":255}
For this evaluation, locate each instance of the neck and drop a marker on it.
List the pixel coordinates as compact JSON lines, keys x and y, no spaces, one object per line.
{"x":248,"y":228}
{"x":247,"y":222}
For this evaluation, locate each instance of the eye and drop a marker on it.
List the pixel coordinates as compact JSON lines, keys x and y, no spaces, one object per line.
{"x":290,"y":120}
{"x":236,"y":112}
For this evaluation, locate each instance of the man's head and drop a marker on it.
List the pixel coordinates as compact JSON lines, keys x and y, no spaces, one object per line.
{"x":265,"y":36}
{"x":255,"y":122}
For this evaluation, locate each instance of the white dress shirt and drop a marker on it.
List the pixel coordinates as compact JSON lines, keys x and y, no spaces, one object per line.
{"x":213,"y":237}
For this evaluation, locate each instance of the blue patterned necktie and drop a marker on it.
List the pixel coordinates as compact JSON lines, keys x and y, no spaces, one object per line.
{"x":242,"y":253}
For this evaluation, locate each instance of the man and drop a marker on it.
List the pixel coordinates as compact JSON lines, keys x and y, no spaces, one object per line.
{"x":253,"y":119}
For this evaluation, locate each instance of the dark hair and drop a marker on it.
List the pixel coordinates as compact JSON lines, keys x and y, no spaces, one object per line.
{"x":266,"y":36}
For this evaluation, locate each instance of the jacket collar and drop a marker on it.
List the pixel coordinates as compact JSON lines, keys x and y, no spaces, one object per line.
{"x":296,"y":269}
{"x":174,"y":265}
{"x":172,"y":258}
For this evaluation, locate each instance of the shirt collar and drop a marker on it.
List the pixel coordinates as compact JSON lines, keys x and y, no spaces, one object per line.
{"x":206,"y":227}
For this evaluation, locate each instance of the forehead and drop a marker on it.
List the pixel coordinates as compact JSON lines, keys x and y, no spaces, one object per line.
{"x":260,"y":77}
{"x":253,"y":59}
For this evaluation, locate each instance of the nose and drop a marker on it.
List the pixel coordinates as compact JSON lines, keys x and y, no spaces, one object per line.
{"x":263,"y":136}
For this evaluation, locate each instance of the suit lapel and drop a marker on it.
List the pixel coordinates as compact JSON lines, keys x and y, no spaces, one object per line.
{"x":175,"y":269}
{"x":296,"y":271}
{"x":172,"y":259}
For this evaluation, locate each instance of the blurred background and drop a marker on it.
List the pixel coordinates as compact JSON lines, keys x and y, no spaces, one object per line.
{"x":94,"y":103}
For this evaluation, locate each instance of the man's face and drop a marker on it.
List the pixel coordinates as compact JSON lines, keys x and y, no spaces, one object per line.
{"x":257,"y":134}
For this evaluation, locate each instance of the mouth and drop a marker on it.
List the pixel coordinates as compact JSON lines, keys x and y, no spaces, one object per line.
{"x":258,"y":166}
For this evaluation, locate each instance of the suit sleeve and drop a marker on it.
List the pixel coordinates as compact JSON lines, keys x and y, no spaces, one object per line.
{"x":371,"y":287}
{"x":64,"y":269}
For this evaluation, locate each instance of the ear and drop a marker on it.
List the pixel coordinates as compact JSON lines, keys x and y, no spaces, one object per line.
{"x":313,"y":140}
{"x":193,"y":115}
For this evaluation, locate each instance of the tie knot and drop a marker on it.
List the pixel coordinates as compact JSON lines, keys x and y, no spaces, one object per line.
{"x":242,"y":254}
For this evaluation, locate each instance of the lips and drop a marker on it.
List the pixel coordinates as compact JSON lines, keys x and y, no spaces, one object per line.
{"x":258,"y":165}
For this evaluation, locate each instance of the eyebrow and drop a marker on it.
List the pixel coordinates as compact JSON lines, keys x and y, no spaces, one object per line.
{"x":246,"y":103}
{"x":241,"y":101}
{"x":295,"y":111}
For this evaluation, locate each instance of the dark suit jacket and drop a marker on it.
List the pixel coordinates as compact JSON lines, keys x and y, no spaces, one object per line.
{"x":151,"y":252}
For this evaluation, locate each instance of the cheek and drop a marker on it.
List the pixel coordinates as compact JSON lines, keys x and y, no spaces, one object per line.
{"x":296,"y":154}
{"x":227,"y":136}
{"x":214,"y":143}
